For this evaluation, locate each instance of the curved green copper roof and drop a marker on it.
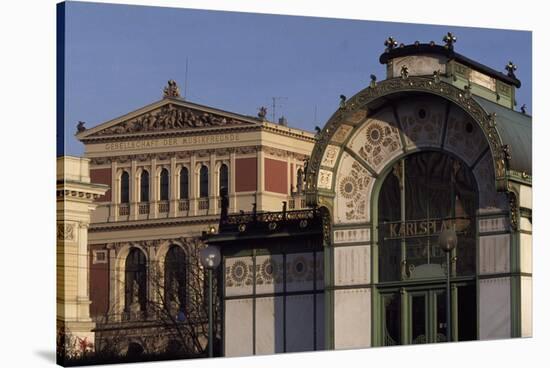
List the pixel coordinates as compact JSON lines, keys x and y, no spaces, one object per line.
{"x":515,"y":130}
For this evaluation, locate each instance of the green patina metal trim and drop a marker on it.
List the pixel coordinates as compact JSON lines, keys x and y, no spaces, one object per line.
{"x":411,"y":84}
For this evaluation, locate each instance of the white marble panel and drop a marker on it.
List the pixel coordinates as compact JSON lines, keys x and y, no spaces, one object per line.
{"x":330,"y":156}
{"x":493,"y":224}
{"x":324,"y":179}
{"x":238,"y":327}
{"x":359,"y":235}
{"x":269,"y":274}
{"x":494,"y":254}
{"x":353,"y":190}
{"x":377,"y":141}
{"x":342,"y":133}
{"x":320,"y":322}
{"x":526,"y":253}
{"x":352,"y":265}
{"x":419,"y":65}
{"x":526,"y":307}
{"x":299,"y":323}
{"x":464,"y":136}
{"x":525,"y":224}
{"x":299,"y":271}
{"x":494,"y":308}
{"x":422,"y":120}
{"x":269,"y":325}
{"x":239,"y":275}
{"x":525,"y":196}
{"x":352,"y":318}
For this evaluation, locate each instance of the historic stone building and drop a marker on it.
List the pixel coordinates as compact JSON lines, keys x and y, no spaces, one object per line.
{"x":165,"y":165}
{"x":75,"y":202}
{"x":435,"y":146}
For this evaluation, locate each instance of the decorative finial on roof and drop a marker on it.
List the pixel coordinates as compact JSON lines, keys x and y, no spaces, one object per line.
{"x":172,"y":89}
{"x":390,"y":43}
{"x":262,"y":112}
{"x":523,"y":109}
{"x":449,"y":40}
{"x":511,"y":68}
{"x":404,"y":72}
{"x":342,"y":101}
{"x":372,"y":81}
{"x":80,"y":127}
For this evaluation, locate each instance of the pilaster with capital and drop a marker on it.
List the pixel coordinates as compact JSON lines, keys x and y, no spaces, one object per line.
{"x":173,"y":188}
{"x":213,"y":181}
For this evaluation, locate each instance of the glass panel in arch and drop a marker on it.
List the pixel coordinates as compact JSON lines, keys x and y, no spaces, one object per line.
{"x":424,"y":194}
{"x":392,"y":319}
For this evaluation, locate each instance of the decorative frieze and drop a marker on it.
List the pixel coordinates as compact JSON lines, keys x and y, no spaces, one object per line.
{"x":352,"y":235}
{"x":170,"y":117}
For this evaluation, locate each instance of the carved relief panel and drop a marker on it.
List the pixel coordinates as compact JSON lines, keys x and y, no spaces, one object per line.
{"x":377,"y":141}
{"x":238,"y":276}
{"x":353,"y":187}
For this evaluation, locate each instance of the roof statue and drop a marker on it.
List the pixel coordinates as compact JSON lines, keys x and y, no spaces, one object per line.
{"x":172,"y":89}
{"x":262,"y":112}
{"x":390,"y":43}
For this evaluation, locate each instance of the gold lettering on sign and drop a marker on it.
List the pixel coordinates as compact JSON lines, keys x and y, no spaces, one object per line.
{"x":171,"y":142}
{"x":400,"y":230}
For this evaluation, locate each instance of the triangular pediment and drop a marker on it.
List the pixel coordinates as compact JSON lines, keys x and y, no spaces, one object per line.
{"x":167,"y":115}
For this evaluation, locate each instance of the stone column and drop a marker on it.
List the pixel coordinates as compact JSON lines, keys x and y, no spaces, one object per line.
{"x":213,"y":185}
{"x":134,"y":206}
{"x":232,"y":191}
{"x":113,"y":208}
{"x":173,"y":188}
{"x":193,"y":185}
{"x":261,"y":179}
{"x":153,"y":192}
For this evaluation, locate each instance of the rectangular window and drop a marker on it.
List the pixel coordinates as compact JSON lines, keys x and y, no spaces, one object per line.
{"x":99,"y":256}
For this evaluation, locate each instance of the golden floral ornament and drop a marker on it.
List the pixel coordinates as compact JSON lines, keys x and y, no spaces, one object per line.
{"x":375,"y":134}
{"x":348,"y":187}
{"x":239,"y":271}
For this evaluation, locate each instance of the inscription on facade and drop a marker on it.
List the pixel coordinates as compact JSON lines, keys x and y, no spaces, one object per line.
{"x":170,"y":142}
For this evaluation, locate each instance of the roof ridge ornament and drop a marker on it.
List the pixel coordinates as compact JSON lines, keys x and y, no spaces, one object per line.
{"x":372,"y":81}
{"x":390,"y":43}
{"x":511,"y":68}
{"x":172,"y":89}
{"x":262,"y":112}
{"x":449,"y":40}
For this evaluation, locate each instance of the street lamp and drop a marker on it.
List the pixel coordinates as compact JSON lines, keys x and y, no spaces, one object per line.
{"x":210,"y":259}
{"x":447,"y":242}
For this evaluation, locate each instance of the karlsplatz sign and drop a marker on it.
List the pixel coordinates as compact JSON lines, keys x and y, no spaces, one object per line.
{"x":416,"y":228}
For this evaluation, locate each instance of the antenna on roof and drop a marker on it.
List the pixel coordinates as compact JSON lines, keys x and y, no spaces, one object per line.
{"x":274,"y":104}
{"x":186,"y":83}
{"x":315,"y":115}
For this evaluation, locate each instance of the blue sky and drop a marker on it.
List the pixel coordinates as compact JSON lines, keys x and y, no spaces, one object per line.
{"x":119,"y":57}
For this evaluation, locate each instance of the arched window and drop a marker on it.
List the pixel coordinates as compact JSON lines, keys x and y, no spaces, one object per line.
{"x":224,"y":177}
{"x":175,"y":280}
{"x":144,"y":186}
{"x":184,"y":183}
{"x":424,"y":194}
{"x":124,"y":187}
{"x":164,"y":185}
{"x":203,"y":187}
{"x":135,"y":284}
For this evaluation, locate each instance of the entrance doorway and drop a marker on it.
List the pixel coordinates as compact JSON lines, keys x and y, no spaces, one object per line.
{"x":417,"y":315}
{"x":424,"y":194}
